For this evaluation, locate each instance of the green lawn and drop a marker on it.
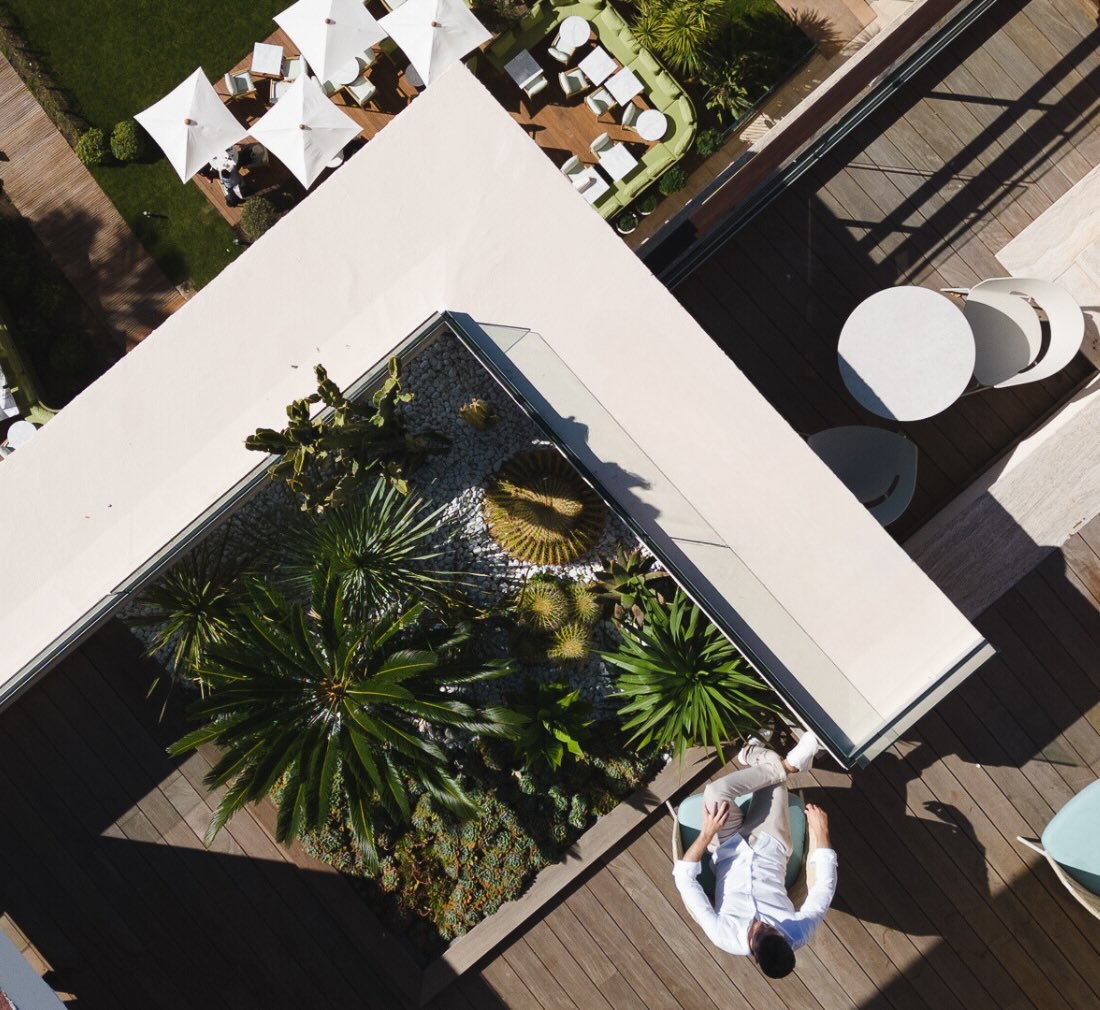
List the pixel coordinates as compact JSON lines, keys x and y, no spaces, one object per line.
{"x":114,"y":58}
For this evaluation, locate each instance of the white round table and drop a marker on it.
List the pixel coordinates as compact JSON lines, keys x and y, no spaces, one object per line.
{"x":574,"y":31}
{"x":336,"y":160}
{"x":19,"y":434}
{"x":906,"y":353}
{"x":651,"y":124}
{"x":346,"y":72}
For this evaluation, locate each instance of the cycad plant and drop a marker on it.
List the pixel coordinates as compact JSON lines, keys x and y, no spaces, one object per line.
{"x":681,"y":32}
{"x":683,"y":683}
{"x":379,"y":546}
{"x":550,"y":721}
{"x":539,"y":509}
{"x":301,"y":695}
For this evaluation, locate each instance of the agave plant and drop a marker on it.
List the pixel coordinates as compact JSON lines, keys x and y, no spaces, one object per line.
{"x":190,"y":606}
{"x":683,"y":683}
{"x":378,"y":546}
{"x":626,"y":579}
{"x":538,"y":509}
{"x":550,"y":721}
{"x":323,"y":460}
{"x":300,"y":696}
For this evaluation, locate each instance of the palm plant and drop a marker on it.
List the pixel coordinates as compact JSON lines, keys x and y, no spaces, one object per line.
{"x":550,"y":721}
{"x":301,"y":697}
{"x":378,"y":546}
{"x":681,"y":31}
{"x":684,"y":683}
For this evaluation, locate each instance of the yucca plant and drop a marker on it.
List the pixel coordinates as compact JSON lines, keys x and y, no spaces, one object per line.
{"x":379,"y":546}
{"x":542,"y":605}
{"x":681,"y":31}
{"x":683,"y":683}
{"x":300,"y":695}
{"x":190,"y":606}
{"x":538,"y":509}
{"x":550,"y":721}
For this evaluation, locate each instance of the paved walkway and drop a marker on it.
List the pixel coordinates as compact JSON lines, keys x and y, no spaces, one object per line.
{"x":73,"y":218}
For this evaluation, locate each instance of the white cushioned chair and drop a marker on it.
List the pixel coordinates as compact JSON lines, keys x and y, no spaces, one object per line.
{"x":240,"y":85}
{"x":602,"y":143}
{"x":600,"y":101}
{"x":573,"y":82}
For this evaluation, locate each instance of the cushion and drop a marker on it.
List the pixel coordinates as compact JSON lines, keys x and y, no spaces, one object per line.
{"x":1071,"y":838}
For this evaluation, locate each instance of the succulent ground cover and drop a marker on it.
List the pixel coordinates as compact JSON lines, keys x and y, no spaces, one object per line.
{"x":439,"y":692}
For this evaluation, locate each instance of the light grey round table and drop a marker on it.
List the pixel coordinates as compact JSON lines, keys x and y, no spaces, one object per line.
{"x":575,"y":31}
{"x":651,"y":124}
{"x":906,"y":353}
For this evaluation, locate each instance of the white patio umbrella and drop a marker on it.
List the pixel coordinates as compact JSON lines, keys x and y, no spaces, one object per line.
{"x":305,"y":130}
{"x":434,"y":34}
{"x":330,"y":32}
{"x":191,"y":124}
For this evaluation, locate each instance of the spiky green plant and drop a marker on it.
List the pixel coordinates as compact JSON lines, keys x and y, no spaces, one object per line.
{"x":378,"y":545}
{"x":683,"y":683}
{"x":190,"y":606}
{"x":571,"y":643}
{"x":550,"y":721}
{"x":300,"y":695}
{"x":325,"y":460}
{"x":586,"y":604}
{"x":538,"y":509}
{"x":542,"y":605}
{"x":681,"y":31}
{"x":626,"y":578}
{"x":478,"y":414}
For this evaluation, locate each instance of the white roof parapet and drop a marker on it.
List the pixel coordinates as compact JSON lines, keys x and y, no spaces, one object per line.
{"x":453,"y":208}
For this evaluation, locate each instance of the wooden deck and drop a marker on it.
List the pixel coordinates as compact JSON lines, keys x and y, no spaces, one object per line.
{"x":75,"y":221}
{"x":927,"y":191}
{"x":937,"y":904}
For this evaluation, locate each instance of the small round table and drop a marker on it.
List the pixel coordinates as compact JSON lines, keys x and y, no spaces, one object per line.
{"x":906,"y":353}
{"x":346,"y":72}
{"x":19,"y":434}
{"x":336,"y":160}
{"x":574,"y":31}
{"x":652,"y":124}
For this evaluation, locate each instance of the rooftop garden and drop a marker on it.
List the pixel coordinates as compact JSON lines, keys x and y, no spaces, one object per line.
{"x":432,"y":645}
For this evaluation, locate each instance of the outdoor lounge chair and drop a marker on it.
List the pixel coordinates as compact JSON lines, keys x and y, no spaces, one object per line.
{"x":600,"y":101}
{"x":1008,"y":332}
{"x":878,"y":466}
{"x":292,"y":68}
{"x":1069,"y":846}
{"x":533,"y":85}
{"x":631,"y":112}
{"x":277,"y":89}
{"x":563,"y":54}
{"x":572,"y":167}
{"x":327,"y":87}
{"x":602,"y":143}
{"x":361,"y":90}
{"x":573,"y":82}
{"x":688,"y":821}
{"x":240,"y":85}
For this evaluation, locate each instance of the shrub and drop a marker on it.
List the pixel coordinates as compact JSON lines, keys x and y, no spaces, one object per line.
{"x":681,"y":31}
{"x":538,"y":509}
{"x":258,"y":214}
{"x":127,"y":141}
{"x":684,"y":684}
{"x":648,"y":203}
{"x":727,"y":91}
{"x":47,"y":297}
{"x":550,"y":721}
{"x":91,"y":148}
{"x":708,"y":141}
{"x":627,"y":222}
{"x":672,"y":181}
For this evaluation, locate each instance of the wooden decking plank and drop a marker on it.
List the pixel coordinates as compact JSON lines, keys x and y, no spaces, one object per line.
{"x":560,"y":962}
{"x":508,"y":986}
{"x":542,"y":983}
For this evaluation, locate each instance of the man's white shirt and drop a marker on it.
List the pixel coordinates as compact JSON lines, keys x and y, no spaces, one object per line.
{"x":750,"y":884}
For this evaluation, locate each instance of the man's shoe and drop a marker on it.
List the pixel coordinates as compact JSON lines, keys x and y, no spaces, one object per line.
{"x":802,"y":754}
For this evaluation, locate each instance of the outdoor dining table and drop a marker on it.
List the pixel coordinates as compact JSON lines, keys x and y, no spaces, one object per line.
{"x":347,"y":72}
{"x":574,"y":31}
{"x":617,"y":161}
{"x":597,"y":66}
{"x":651,"y":125}
{"x":906,"y":353}
{"x":624,"y":86}
{"x":522,"y":67}
{"x":267,"y":59}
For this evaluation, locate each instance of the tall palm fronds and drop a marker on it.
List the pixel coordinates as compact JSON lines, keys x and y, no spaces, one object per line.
{"x":680,"y":31}
{"x":300,"y":696}
{"x":378,"y":547}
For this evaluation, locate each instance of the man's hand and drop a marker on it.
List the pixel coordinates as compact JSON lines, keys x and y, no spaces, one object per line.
{"x":818,"y":823}
{"x":714,"y":816}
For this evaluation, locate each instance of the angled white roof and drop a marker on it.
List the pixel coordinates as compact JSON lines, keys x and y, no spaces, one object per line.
{"x":453,"y":208}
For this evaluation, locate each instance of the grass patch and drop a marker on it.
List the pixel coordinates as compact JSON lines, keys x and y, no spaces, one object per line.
{"x":114,"y":58}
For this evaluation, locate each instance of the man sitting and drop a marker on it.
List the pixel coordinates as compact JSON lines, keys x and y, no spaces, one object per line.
{"x":752,"y":913}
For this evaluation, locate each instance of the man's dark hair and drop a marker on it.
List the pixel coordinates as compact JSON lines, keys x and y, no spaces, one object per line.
{"x":775,"y":956}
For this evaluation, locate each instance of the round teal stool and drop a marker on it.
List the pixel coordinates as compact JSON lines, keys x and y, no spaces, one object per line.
{"x":689,"y":822}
